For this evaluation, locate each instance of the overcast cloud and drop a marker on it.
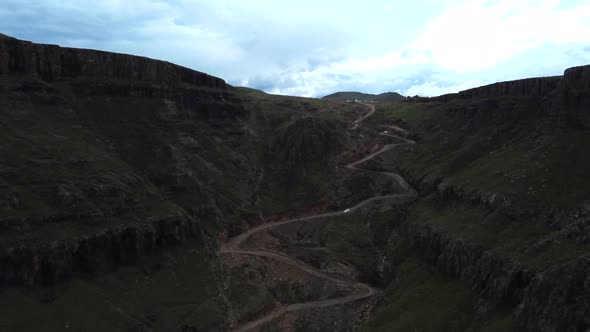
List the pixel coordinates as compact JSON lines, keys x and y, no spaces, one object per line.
{"x":313,"y":48}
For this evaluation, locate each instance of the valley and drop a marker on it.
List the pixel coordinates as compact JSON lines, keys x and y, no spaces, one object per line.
{"x":137,"y":195}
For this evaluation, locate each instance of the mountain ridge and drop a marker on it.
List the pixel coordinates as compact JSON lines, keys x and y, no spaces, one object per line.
{"x":119,"y":173}
{"x":353,"y":95}
{"x":53,"y":63}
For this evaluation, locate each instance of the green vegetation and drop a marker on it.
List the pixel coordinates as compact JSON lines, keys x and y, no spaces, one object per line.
{"x":412,"y":113}
{"x":81,"y":157}
{"x":295,"y":174}
{"x":112,"y":153}
{"x":552,"y":172}
{"x":349,"y":241}
{"x":421,"y":299}
{"x":288,"y":292}
{"x":183,"y":292}
{"x":497,"y":320}
{"x":248,"y":298}
{"x":491,"y":146}
{"x":532,"y":242}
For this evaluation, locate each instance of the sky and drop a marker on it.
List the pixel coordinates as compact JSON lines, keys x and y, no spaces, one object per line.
{"x":313,"y":48}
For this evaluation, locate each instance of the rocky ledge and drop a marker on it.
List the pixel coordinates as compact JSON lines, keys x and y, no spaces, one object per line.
{"x":564,"y":100}
{"x":48,"y":263}
{"x":555,"y":299}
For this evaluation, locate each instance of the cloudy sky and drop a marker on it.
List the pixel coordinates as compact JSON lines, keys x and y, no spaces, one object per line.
{"x":316,"y":47}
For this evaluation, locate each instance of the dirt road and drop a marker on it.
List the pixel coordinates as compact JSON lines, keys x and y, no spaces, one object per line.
{"x":362,"y":291}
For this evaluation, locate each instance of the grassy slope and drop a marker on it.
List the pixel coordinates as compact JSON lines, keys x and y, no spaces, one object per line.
{"x":504,"y":155}
{"x":348,"y":241}
{"x":117,"y":156}
{"x":272,"y":115}
{"x":165,"y":300}
{"x":496,"y":155}
{"x":132,"y":148}
{"x":420,"y":299}
{"x":531,"y":242}
{"x":417,"y":291}
{"x":128,"y":157}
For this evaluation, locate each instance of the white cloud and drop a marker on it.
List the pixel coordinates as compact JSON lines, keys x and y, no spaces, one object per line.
{"x":429,"y":89}
{"x":314,"y":48}
{"x":481,"y":34}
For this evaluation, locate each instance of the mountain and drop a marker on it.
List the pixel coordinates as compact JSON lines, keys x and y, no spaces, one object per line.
{"x":118,"y":172}
{"x":346,"y":96}
{"x":138,"y":195}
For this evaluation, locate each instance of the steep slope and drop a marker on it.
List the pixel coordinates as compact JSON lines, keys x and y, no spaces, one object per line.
{"x":503,"y":207}
{"x":139,"y":195}
{"x":120,"y":171}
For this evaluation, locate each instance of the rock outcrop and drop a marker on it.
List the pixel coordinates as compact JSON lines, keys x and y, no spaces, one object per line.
{"x":576,"y":95}
{"x":308,"y":139}
{"x":496,"y":277}
{"x":557,"y":300}
{"x":523,"y":88}
{"x":138,"y":148}
{"x":565,"y":100}
{"x":54,"y":63}
{"x":44,"y":264}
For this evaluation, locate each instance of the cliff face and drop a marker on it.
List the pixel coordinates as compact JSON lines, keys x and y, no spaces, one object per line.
{"x":49,"y":263}
{"x":522,"y":88}
{"x":557,"y":300}
{"x":575,"y":90}
{"x":504,"y":197}
{"x":108,"y":159}
{"x":53,"y":63}
{"x":565,"y":100}
{"x":494,"y":276}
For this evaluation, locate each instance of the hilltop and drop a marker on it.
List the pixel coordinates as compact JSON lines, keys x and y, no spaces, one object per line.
{"x":352,"y":96}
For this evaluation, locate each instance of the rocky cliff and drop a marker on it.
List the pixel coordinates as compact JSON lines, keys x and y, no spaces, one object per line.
{"x":575,"y":94}
{"x":504,"y":198}
{"x":108,"y":158}
{"x":557,"y":300}
{"x":53,"y":63}
{"x":48,"y":263}
{"x":523,"y":88}
{"x":564,"y":100}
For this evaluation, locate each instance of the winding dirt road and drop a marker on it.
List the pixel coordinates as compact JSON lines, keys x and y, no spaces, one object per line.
{"x":362,"y":291}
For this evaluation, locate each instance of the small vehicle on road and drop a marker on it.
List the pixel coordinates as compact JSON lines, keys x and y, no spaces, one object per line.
{"x":347,"y":210}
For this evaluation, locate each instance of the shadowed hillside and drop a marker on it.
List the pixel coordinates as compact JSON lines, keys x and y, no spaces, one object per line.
{"x":137,"y":195}
{"x":503,"y":207}
{"x":117,"y":168}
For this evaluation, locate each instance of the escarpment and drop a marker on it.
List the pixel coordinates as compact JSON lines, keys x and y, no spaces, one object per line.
{"x":529,"y":87}
{"x":503,"y":204}
{"x":563,"y":101}
{"x":109,"y":159}
{"x":53,"y":63}
{"x":557,"y":300}
{"x":115,"y":167}
{"x":575,"y":91}
{"x":31,"y":263}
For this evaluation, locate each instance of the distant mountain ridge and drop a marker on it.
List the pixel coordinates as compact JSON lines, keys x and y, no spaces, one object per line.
{"x":353,"y":95}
